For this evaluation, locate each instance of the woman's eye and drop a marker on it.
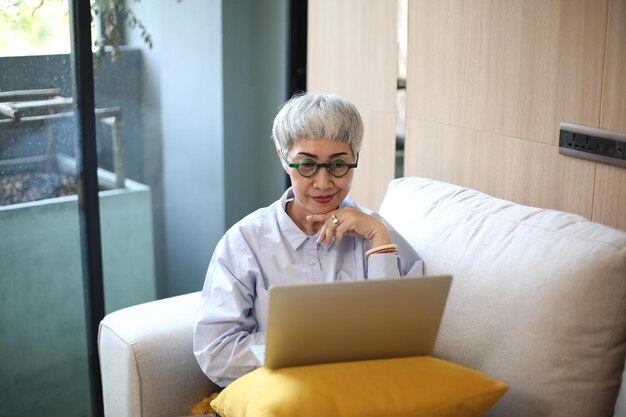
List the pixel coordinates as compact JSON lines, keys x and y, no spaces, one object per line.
{"x":339,"y":167}
{"x":307,"y":167}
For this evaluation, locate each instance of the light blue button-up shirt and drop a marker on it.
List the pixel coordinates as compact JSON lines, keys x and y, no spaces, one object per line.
{"x":263,"y":250}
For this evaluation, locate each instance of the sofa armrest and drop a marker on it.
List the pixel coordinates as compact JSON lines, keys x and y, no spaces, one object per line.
{"x":147,"y":362}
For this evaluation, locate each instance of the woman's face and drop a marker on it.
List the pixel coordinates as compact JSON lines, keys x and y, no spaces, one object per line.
{"x":322,"y":192}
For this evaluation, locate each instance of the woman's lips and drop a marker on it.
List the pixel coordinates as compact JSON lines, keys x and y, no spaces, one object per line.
{"x":323,"y":199}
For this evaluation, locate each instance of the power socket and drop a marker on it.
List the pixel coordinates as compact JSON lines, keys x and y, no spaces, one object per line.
{"x":598,"y":145}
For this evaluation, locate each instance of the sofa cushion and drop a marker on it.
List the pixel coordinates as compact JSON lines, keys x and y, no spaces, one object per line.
{"x":403,"y":387}
{"x":538,"y":298}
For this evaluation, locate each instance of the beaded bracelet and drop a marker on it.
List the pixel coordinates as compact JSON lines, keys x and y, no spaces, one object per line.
{"x":389,"y":248}
{"x":385,"y":251}
{"x":394,"y":251}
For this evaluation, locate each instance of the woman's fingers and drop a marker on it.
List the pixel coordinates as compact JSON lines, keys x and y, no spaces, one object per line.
{"x":345,"y":221}
{"x":338,"y":235}
{"x":315,"y":218}
{"x":325,"y":235}
{"x":329,"y":226}
{"x":327,"y":231}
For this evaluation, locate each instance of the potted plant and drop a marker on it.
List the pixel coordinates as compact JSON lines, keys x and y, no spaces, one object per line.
{"x":43,"y":174}
{"x":40,"y":189}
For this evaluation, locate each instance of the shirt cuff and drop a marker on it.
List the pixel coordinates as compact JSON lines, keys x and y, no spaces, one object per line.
{"x":382,"y":265}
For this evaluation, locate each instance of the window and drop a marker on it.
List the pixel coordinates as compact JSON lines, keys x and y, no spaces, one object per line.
{"x":34,"y":27}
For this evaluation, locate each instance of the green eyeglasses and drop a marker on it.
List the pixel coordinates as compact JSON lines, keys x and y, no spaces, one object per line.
{"x":308,"y":167}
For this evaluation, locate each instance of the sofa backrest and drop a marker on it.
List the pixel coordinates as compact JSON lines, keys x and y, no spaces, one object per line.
{"x":538,"y":298}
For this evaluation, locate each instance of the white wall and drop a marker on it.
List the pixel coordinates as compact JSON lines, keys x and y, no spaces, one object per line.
{"x":254,"y":86}
{"x":212,"y":84}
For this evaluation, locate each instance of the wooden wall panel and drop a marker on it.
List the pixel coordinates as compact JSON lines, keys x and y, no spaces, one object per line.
{"x":516,"y":68}
{"x":500,"y":165}
{"x":352,"y":52}
{"x":613,"y":115}
{"x":488,"y":84}
{"x":610,"y":196}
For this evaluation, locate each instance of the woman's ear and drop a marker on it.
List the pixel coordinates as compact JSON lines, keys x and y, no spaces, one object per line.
{"x":282,"y":161}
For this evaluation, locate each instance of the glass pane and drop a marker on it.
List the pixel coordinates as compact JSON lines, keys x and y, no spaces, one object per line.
{"x":184,"y":151}
{"x":43,"y":369}
{"x":126,"y":199}
{"x":126,"y":196}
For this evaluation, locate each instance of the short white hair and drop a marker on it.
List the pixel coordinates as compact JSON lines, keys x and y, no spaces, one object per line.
{"x":317,"y":116}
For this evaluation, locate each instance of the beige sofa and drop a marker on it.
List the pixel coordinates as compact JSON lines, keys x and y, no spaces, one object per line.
{"x":538,"y":301}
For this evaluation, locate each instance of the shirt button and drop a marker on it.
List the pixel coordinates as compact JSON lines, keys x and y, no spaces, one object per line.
{"x":313,"y":263}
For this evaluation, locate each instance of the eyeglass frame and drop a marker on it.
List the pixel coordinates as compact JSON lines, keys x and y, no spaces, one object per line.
{"x":326,"y":165}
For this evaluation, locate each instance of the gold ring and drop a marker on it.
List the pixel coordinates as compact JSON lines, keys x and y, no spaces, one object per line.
{"x":335,"y":219}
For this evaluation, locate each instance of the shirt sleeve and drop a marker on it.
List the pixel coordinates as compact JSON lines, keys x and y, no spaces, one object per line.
{"x":225,"y":327}
{"x":388,"y":265}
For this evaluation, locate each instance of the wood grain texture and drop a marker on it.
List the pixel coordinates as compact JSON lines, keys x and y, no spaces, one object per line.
{"x":523,"y":171}
{"x":610,"y":196}
{"x":613,"y":115}
{"x":610,"y":192}
{"x":511,"y":67}
{"x":352,"y":52}
{"x":488,"y":83}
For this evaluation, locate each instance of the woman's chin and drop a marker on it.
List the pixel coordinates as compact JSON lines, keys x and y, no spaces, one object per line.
{"x":318,"y":208}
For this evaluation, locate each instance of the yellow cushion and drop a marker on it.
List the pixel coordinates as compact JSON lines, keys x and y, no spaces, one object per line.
{"x":403,"y":387}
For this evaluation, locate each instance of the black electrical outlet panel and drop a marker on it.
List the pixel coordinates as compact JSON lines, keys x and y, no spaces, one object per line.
{"x":594,"y":144}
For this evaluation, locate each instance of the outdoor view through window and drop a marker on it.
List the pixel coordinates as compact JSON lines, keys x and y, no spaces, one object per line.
{"x":44,"y":361}
{"x":34,"y":27}
{"x":184,"y":95}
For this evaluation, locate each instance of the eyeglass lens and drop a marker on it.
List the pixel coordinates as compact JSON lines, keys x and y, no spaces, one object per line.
{"x":309,"y":168}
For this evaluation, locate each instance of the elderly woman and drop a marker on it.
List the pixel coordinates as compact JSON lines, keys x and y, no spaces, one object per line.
{"x":314,"y":233}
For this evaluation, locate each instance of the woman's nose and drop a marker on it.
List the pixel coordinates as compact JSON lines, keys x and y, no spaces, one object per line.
{"x":323,"y":179}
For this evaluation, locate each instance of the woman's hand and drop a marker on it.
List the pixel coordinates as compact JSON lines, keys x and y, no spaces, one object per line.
{"x":352,"y":222}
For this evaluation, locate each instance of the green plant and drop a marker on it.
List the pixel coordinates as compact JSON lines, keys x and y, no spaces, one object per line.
{"x":28,"y":18}
{"x":28,"y":28}
{"x":112,"y":14}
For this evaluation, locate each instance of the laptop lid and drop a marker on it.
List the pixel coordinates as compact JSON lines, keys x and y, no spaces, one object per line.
{"x":356,"y":320}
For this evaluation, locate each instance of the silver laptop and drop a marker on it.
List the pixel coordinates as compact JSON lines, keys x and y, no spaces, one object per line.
{"x":356,"y":320}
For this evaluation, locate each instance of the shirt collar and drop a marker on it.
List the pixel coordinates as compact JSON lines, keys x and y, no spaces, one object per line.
{"x":294,"y":235}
